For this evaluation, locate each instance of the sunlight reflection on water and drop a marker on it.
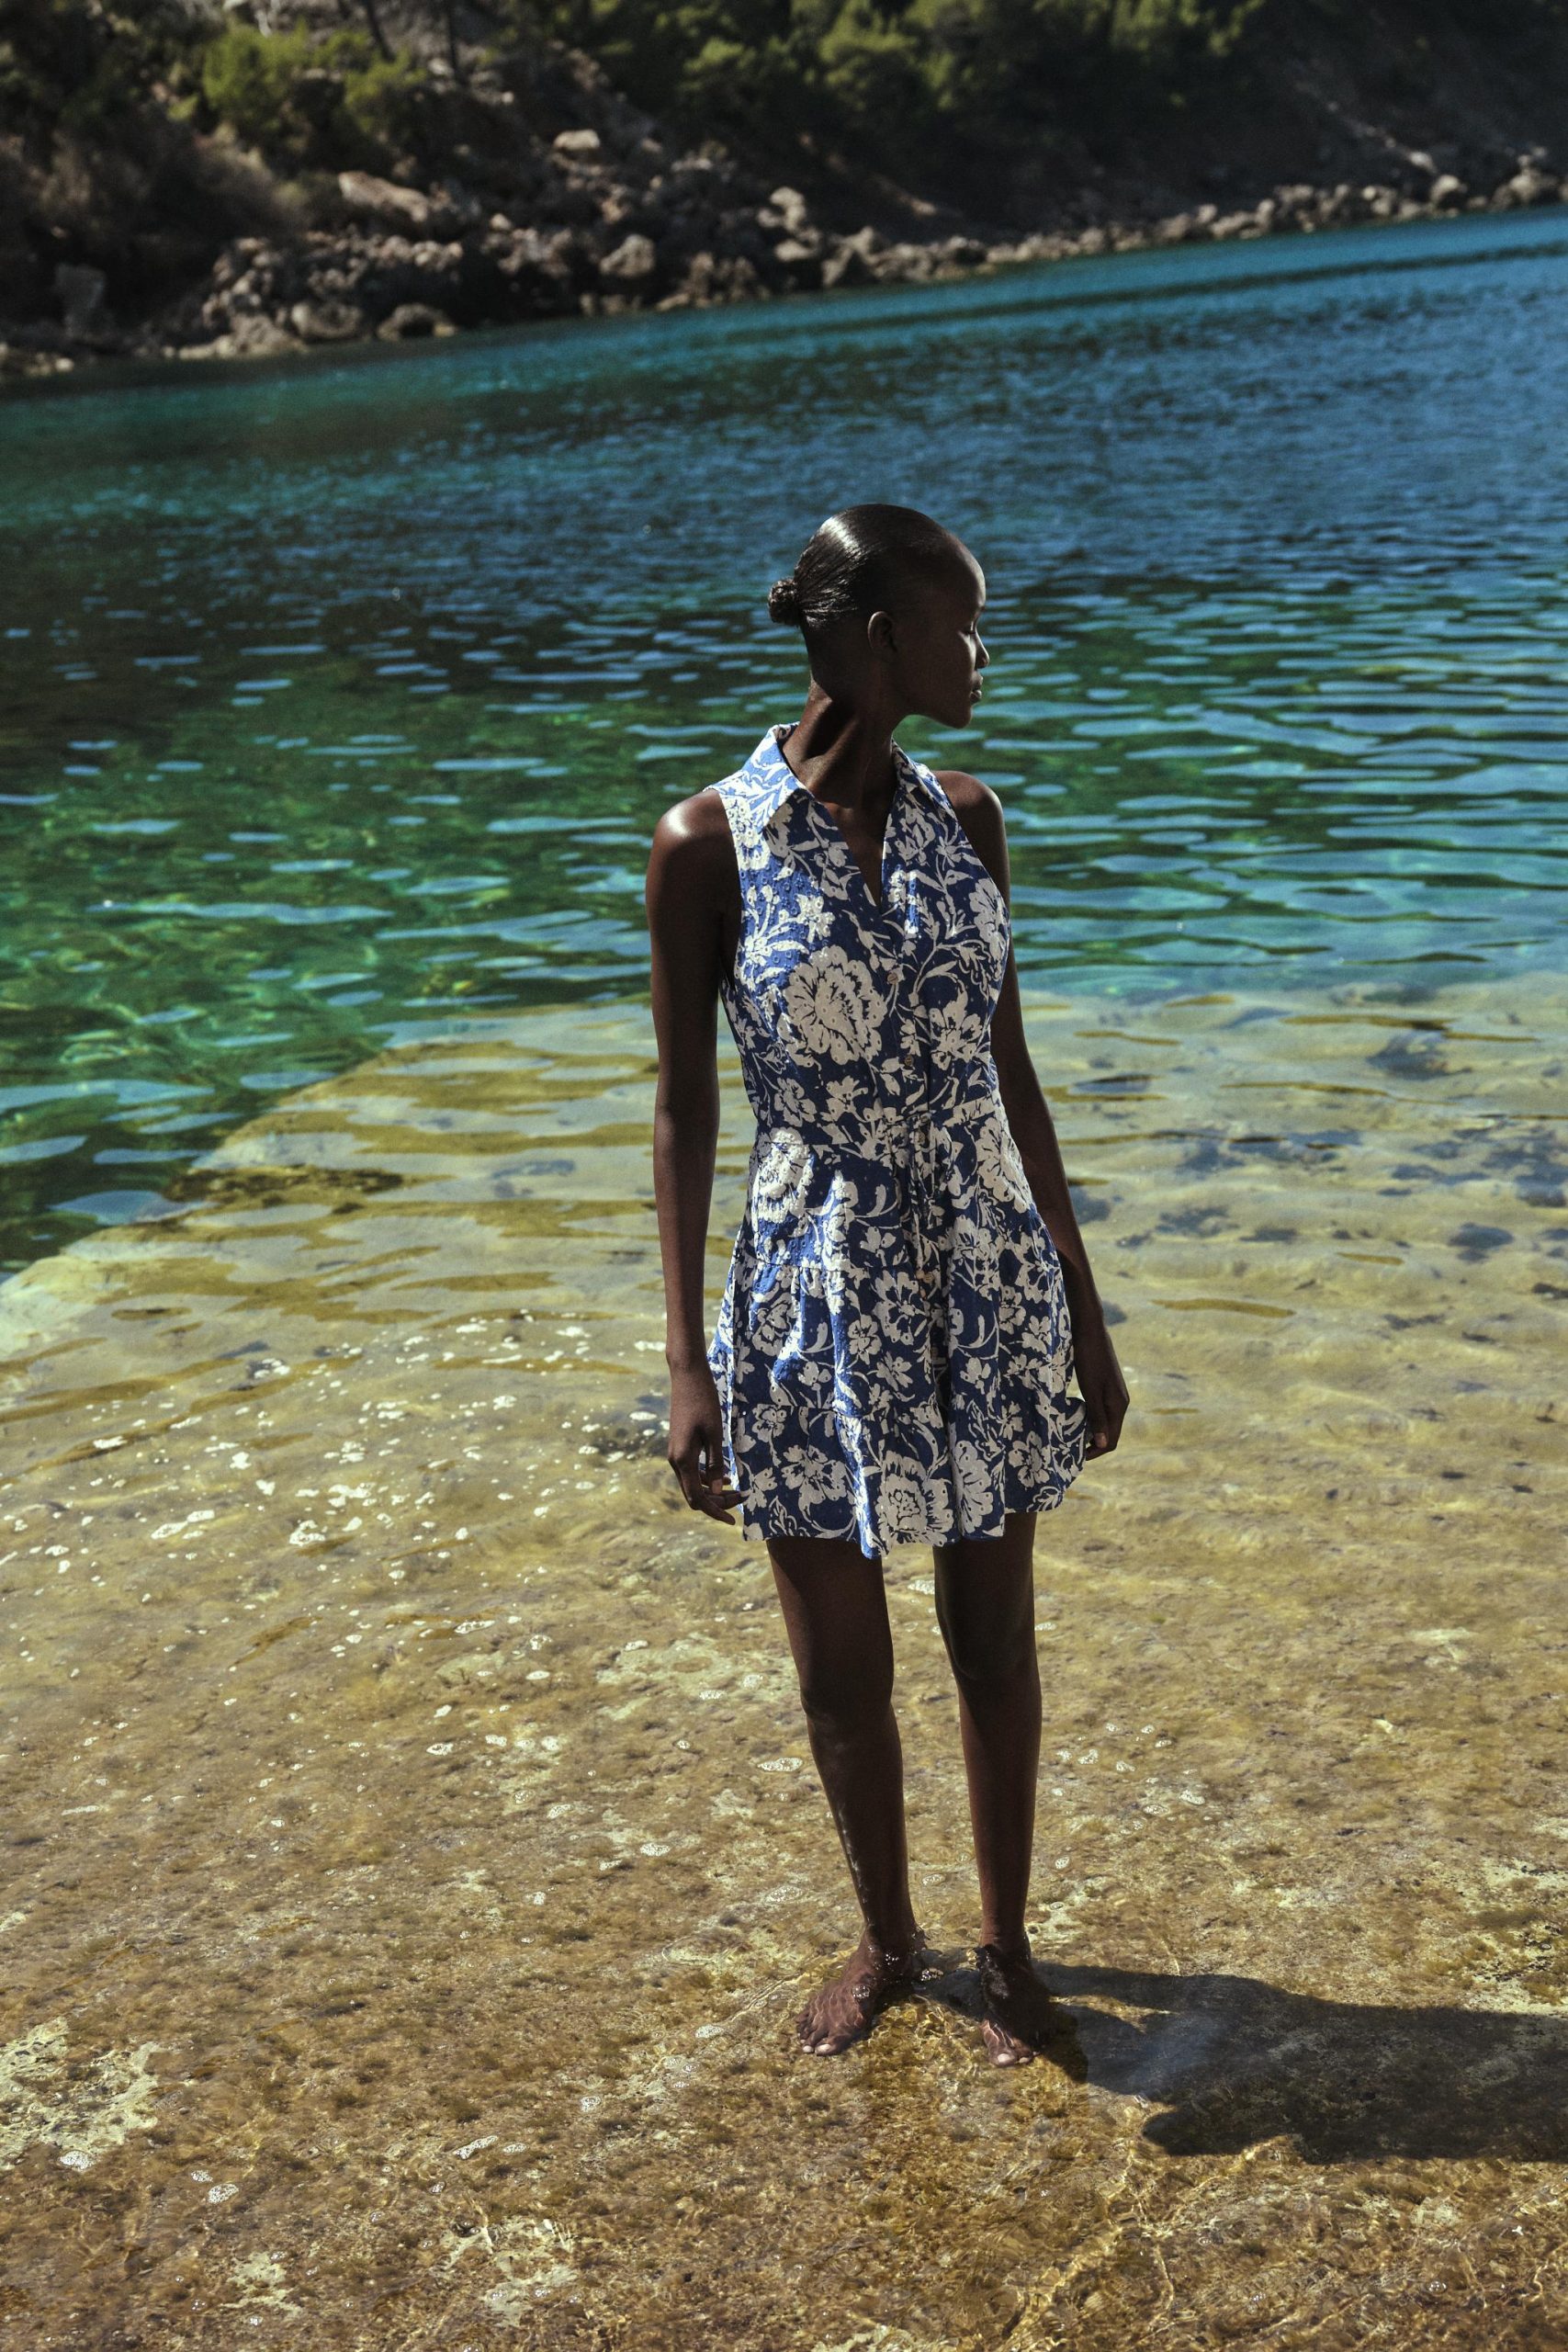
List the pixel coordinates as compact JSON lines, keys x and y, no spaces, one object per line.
{"x":315,"y":733}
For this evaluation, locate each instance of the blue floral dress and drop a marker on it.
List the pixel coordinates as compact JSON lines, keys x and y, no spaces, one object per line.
{"x":893,"y":1351}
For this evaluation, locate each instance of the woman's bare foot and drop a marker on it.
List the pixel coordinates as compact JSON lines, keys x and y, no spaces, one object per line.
{"x":1021,"y":2017}
{"x":845,"y":2007}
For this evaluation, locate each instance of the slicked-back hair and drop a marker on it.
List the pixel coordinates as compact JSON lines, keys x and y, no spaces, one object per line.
{"x":856,"y":563}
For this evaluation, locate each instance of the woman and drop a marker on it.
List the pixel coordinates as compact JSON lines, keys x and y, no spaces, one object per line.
{"x":908,"y":1290}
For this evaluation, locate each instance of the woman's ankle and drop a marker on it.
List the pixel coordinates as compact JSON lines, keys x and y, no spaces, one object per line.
{"x":894,"y":1948}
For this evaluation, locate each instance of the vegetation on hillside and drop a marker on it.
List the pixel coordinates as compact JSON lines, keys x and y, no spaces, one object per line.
{"x":897,"y":71}
{"x":139,"y":137}
{"x":916,"y":84}
{"x":965,"y":88}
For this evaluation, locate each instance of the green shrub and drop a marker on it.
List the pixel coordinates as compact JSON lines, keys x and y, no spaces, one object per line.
{"x":876,"y":65}
{"x":878,"y":72}
{"x":380,"y":101}
{"x":331,"y":102}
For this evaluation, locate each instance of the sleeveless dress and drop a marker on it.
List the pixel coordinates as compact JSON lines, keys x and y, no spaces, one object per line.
{"x":893,"y":1350}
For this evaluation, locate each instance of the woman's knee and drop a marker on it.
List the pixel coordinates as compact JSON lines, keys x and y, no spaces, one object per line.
{"x":984,"y":1606}
{"x":990,"y":1644}
{"x":1003,"y":1662}
{"x":844,"y":1696}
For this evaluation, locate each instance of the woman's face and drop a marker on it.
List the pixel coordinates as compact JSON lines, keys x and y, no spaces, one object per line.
{"x":940,"y":657}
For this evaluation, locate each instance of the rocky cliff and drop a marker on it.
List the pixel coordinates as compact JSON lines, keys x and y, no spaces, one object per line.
{"x":196,"y":180}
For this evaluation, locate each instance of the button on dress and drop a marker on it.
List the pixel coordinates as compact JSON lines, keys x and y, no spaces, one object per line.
{"x":893,"y":1351}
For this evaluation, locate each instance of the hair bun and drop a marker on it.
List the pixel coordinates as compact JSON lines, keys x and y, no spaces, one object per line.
{"x":784,"y":600}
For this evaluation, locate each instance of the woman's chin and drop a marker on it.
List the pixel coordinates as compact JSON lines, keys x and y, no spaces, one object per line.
{"x":953,"y":714}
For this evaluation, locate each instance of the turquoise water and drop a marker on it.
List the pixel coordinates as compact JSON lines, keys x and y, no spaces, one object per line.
{"x":341,"y":695}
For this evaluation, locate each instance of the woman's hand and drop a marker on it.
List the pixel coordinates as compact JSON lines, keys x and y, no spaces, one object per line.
{"x":1100,"y":1384}
{"x":696,"y":1443}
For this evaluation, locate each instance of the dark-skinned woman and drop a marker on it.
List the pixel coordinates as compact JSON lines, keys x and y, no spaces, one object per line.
{"x":909,"y":1295}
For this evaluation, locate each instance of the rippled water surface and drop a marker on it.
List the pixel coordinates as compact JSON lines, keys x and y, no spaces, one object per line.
{"x":338,"y":705}
{"x":339,"y":697}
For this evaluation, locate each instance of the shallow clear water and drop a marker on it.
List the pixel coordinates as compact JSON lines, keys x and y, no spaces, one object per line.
{"x":416,"y":1859}
{"x":340,"y":697}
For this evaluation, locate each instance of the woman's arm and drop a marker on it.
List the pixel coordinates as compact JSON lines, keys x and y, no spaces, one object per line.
{"x":1099,"y":1374}
{"x":685,"y":897}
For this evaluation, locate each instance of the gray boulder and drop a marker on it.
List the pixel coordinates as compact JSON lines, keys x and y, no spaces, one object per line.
{"x":328,"y":321}
{"x":411,"y":321}
{"x":786,"y":209}
{"x":366,"y":198}
{"x":632,"y":266}
{"x":1530,"y":185}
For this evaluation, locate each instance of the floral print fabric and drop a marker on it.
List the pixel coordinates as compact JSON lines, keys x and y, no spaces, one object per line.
{"x":893,"y":1351}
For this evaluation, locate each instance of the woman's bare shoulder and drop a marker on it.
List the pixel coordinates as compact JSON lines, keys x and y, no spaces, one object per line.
{"x":967,"y":793}
{"x":693,"y":845}
{"x":700,"y":818}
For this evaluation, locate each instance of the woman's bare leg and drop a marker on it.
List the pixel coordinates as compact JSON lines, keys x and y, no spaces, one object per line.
{"x":984,"y":1605}
{"x":834,"y":1609}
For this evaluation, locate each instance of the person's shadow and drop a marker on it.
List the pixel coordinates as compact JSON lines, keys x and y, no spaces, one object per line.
{"x":1233,"y":2060}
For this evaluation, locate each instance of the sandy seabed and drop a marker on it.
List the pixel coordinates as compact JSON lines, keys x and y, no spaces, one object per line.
{"x":414,"y":1859}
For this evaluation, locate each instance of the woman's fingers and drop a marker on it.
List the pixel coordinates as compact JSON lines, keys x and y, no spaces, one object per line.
{"x":1107,"y":1411}
{"x":1100,"y":1384}
{"x":708,"y":1492}
{"x":699,"y":1468}
{"x":719,"y":1500}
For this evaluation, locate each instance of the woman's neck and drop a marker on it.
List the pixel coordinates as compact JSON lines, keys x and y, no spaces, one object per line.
{"x":842,"y":753}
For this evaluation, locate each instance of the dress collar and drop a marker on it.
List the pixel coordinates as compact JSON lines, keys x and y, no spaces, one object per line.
{"x":774,"y":780}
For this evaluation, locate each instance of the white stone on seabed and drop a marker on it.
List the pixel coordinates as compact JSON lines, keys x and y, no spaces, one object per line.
{"x":260,"y":2280}
{"x":82,"y":2111}
{"x":530,"y":2251}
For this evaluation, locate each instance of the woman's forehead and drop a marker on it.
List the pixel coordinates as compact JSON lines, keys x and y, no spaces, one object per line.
{"x":972,"y":584}
{"x":954,"y":580}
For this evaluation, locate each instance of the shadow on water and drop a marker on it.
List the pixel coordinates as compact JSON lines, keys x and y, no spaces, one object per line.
{"x":1236,"y":2061}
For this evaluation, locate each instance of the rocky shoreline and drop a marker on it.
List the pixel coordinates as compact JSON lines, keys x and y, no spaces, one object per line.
{"x":637,"y":230}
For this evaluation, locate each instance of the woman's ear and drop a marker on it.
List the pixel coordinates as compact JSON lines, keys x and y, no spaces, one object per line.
{"x":881,"y":636}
